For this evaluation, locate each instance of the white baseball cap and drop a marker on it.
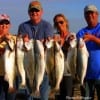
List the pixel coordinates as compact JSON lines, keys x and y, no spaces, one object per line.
{"x":92,"y":8}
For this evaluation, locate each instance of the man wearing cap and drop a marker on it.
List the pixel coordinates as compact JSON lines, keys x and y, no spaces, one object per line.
{"x":5,"y":34}
{"x":38,"y":29}
{"x":91,"y":36}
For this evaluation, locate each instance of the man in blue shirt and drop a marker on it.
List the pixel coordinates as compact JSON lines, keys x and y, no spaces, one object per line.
{"x":37,"y":28}
{"x":91,"y":36}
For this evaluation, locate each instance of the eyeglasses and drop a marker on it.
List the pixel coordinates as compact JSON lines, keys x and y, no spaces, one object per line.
{"x":59,"y":22}
{"x":34,"y":10}
{"x":4,"y":22}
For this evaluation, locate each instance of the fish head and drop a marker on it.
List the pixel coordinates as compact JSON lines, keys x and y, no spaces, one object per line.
{"x":11,"y":44}
{"x":28,"y":44}
{"x":19,"y":42}
{"x":81,"y":43}
{"x":57,"y":46}
{"x":72,"y":41}
{"x":49,"y":43}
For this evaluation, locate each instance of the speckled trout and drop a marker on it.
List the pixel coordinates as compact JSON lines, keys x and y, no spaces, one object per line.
{"x":54,"y":64}
{"x":9,"y":63}
{"x":71,"y":57}
{"x":39,"y":66}
{"x":20,"y":52}
{"x":82,"y":60}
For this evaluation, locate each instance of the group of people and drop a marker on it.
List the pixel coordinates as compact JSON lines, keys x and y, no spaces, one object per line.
{"x":37,"y":28}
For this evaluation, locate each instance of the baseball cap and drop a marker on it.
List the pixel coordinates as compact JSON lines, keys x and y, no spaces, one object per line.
{"x":4,"y":17}
{"x":92,"y":8}
{"x":35,"y":5}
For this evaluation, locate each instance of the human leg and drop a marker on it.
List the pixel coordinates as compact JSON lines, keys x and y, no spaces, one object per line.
{"x":45,"y":88}
{"x":66,"y":88}
{"x":97,"y":86}
{"x":5,"y":89}
{"x":2,"y":95}
{"x":87,"y":91}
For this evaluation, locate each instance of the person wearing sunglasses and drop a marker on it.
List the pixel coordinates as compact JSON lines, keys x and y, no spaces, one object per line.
{"x":63,"y":35}
{"x":39,"y":29}
{"x":91,"y":36}
{"x":5,"y":34}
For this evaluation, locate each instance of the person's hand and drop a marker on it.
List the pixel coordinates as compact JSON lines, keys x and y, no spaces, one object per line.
{"x":56,"y":38}
{"x":88,"y":37}
{"x":4,"y":37}
{"x":45,"y":40}
{"x":7,"y":36}
{"x":26,"y":38}
{"x":70,"y":38}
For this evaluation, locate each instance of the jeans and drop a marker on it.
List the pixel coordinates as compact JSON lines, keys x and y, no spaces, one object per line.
{"x":44,"y":88}
{"x":66,"y":88}
{"x":11,"y":96}
{"x":4,"y":95}
{"x":89,"y":89}
{"x":3,"y":88}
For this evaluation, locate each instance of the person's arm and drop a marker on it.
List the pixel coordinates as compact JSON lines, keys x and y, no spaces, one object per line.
{"x":90,"y":37}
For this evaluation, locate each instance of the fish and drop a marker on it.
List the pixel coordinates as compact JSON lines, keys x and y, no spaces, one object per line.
{"x":34,"y":62}
{"x":39,"y":66}
{"x":22,"y":48}
{"x":71,"y":57}
{"x":9,"y":64}
{"x":82,"y":61}
{"x":20,"y":60}
{"x":31,"y":61}
{"x":54,"y":64}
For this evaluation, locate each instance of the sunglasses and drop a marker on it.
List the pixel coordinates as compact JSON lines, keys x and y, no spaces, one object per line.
{"x":59,"y":22}
{"x":4,"y":22}
{"x":34,"y":10}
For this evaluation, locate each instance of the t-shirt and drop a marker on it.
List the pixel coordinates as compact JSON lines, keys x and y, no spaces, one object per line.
{"x":93,"y":69}
{"x":40,"y":31}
